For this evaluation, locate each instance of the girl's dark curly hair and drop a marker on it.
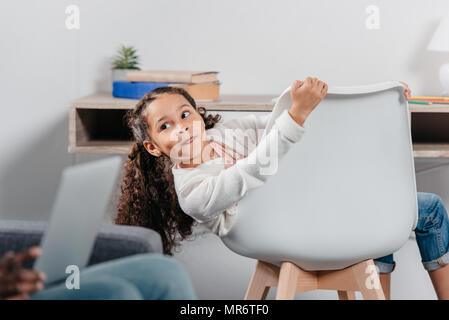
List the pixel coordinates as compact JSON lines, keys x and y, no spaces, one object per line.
{"x":148,"y":197}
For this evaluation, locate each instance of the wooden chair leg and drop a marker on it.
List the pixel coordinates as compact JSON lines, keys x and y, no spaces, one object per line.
{"x":346,"y":295}
{"x":265,"y":293}
{"x":288,"y":280}
{"x":368,"y":280}
{"x":264,"y":276}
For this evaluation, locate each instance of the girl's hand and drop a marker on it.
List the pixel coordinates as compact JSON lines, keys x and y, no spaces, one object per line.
{"x":306,"y":95}
{"x":407,"y":91}
{"x":17,"y":282}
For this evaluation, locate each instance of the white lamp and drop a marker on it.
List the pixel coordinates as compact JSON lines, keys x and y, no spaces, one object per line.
{"x":440,"y":42}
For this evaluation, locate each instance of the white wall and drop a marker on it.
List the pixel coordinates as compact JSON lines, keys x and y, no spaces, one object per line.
{"x":258,"y":47}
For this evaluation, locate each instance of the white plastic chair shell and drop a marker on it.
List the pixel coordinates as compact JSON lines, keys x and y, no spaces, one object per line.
{"x":346,"y":192}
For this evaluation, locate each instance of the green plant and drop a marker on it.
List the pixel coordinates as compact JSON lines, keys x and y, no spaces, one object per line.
{"x":126,"y":58}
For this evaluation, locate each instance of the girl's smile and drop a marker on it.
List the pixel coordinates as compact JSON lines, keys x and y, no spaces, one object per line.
{"x":190,"y":140}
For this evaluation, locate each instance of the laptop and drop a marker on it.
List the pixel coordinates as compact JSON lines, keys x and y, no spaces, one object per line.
{"x":77,"y":214}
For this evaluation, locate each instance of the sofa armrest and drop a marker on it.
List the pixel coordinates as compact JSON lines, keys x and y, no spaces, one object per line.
{"x":112,"y":242}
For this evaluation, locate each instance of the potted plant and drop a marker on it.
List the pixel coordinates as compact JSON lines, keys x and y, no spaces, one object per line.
{"x":126,"y":59}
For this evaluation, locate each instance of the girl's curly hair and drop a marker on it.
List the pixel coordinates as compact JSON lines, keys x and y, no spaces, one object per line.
{"x":148,"y":197}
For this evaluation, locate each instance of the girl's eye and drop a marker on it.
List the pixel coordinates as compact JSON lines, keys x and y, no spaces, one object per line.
{"x":162,"y":127}
{"x":185,"y":112}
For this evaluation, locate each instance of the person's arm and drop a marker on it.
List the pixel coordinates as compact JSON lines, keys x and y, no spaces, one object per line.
{"x":206,"y":194}
{"x":255,"y":121}
{"x":17,"y":282}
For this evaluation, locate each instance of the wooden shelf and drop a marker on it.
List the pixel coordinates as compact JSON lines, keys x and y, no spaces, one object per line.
{"x":420,"y":150}
{"x":102,"y":146}
{"x":431,"y":150}
{"x":96,"y":123}
{"x":232,"y":102}
{"x":434,"y":108}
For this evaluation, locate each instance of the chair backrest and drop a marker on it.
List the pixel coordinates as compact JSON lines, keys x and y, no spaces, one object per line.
{"x":346,"y":192}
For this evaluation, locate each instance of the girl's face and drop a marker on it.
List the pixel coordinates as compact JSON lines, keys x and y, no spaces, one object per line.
{"x":172,"y":122}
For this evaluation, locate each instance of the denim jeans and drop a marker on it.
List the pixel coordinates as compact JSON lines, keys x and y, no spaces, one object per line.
{"x":432,"y":235}
{"x":145,"y":276}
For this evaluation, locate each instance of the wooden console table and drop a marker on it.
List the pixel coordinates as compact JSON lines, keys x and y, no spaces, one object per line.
{"x":96,"y":123}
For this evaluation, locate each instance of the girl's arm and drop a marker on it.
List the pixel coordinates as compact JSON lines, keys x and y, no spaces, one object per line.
{"x":205,"y":194}
{"x":254,"y":121}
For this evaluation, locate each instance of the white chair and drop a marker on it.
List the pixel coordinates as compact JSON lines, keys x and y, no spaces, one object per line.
{"x":343,"y":195}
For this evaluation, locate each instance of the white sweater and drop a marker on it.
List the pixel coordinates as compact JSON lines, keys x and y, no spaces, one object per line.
{"x":209,"y":193}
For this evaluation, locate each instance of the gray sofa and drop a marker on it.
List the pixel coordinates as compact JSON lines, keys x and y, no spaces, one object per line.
{"x":112,"y":242}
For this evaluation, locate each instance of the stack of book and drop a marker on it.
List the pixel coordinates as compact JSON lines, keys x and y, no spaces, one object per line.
{"x":428,"y":100}
{"x":201,"y":85}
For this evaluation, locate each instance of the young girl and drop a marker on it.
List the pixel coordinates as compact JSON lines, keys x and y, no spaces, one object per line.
{"x":187,"y":168}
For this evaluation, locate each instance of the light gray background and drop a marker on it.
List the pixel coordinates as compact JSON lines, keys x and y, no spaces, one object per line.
{"x":259,"y":47}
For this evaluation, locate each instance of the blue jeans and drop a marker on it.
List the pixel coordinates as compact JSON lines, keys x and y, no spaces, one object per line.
{"x":432,"y":235}
{"x":145,"y":276}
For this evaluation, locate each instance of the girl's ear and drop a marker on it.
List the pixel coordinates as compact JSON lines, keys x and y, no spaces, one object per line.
{"x":151,"y":148}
